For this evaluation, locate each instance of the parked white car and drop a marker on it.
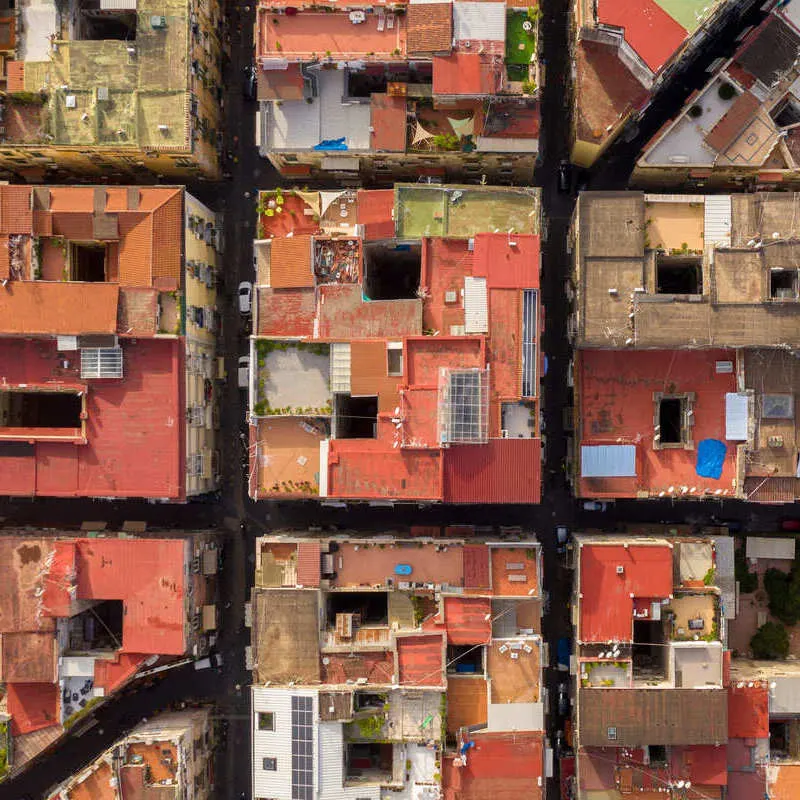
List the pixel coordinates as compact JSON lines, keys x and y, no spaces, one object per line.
{"x":245,"y":297}
{"x":244,"y":372}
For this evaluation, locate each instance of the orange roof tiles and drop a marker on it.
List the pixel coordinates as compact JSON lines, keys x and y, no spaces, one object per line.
{"x":606,"y":608}
{"x":477,"y":570}
{"x":388,"y":122}
{"x":290,"y":263}
{"x":509,"y":566}
{"x":280,"y":84}
{"x":374,"y":210}
{"x":109,"y":674}
{"x":32,"y":706}
{"x":748,"y":712}
{"x":468,"y":620}
{"x":420,"y":660}
{"x":16,"y":214}
{"x":308,"y":564}
{"x":370,"y":376}
{"x":39,"y":307}
{"x":430,"y":27}
{"x":501,"y":471}
{"x":168,"y":231}
{"x":148,"y":576}
{"x":471,"y":74}
{"x":467,"y":701}
{"x":376,"y":667}
{"x":136,"y":234}
{"x":733,"y":122}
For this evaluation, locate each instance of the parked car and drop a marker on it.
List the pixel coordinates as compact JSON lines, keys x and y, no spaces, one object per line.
{"x":245,"y":297}
{"x":563,"y":700}
{"x":244,"y":372}
{"x":595,"y":505}
{"x":790,"y":524}
{"x":214,"y":660}
{"x":564,"y":176}
{"x":250,"y":82}
{"x":562,"y":534}
{"x":563,"y":651}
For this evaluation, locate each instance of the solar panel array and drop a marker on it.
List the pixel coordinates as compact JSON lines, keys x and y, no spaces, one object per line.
{"x":302,"y":748}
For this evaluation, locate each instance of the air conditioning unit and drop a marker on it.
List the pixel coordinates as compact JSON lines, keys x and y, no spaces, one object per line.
{"x":504,"y":434}
{"x":158,"y":22}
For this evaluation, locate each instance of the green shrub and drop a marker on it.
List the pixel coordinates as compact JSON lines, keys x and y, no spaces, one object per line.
{"x":771,"y":641}
{"x":784,"y":594}
{"x":748,"y":581}
{"x":528,"y":86}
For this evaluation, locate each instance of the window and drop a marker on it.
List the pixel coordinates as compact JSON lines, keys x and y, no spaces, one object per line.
{"x":101,"y":362}
{"x":394,"y":358}
{"x":783,"y":284}
{"x":679,"y":275}
{"x":266,"y":721}
{"x":611,"y":734}
{"x":669,"y":420}
{"x":194,"y":465}
{"x":269,"y":764}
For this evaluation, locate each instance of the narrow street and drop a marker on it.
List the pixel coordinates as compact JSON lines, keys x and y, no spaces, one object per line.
{"x":240,"y":521}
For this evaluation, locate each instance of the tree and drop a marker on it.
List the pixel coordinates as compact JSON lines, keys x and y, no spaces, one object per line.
{"x":784,"y":594}
{"x":771,"y":641}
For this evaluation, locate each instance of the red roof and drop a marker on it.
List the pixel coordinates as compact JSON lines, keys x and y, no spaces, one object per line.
{"x":148,"y":575}
{"x":649,"y":30}
{"x":607,"y":595}
{"x":501,"y":471}
{"x":388,"y":120}
{"x":748,"y":712}
{"x":477,"y":569}
{"x":286,"y":312}
{"x":501,"y":766}
{"x":375,"y":212}
{"x":135,"y":428}
{"x":704,"y":764}
{"x":57,"y":599}
{"x":507,"y":261}
{"x":468,"y":620}
{"x":109,"y":674}
{"x":420,"y":660}
{"x":467,"y":74}
{"x":308,"y":563}
{"x":32,"y":706}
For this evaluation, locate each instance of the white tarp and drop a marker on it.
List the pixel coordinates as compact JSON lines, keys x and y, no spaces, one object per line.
{"x":736,"y":413}
{"x":608,"y":461}
{"x":479,"y":21}
{"x":764,"y":547}
{"x":476,"y":313}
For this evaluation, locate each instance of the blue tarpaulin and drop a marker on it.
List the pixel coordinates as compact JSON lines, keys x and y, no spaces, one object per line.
{"x":331,"y":144}
{"x":710,"y":458}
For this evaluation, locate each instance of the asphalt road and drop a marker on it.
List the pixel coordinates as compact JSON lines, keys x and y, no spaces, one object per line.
{"x":236,"y":196}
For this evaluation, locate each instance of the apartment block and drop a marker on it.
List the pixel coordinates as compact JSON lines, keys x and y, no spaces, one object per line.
{"x":392,"y":91}
{"x":740,"y":130}
{"x":397,"y":667}
{"x":651,"y":707}
{"x":685,"y":318}
{"x":169,"y":758}
{"x":123,"y":90}
{"x":106,"y":389}
{"x":396,"y":350}
{"x":81,"y":616}
{"x":623,"y":51}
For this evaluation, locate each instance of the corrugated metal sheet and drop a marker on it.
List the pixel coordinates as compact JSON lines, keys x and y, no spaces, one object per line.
{"x":771,"y":490}
{"x":308,"y":563}
{"x":501,"y":471}
{"x":118,"y":5}
{"x":736,"y":416}
{"x":468,"y":620}
{"x":723,"y":559}
{"x":717,"y":223}
{"x":483,"y":21}
{"x":477,"y":570}
{"x":420,"y":660}
{"x":764,"y":547}
{"x":608,"y":461}
{"x":476,"y":315}
{"x":530,"y":321}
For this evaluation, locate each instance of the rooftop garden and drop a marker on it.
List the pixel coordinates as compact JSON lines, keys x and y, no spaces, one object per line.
{"x":282,"y":213}
{"x":521,"y":40}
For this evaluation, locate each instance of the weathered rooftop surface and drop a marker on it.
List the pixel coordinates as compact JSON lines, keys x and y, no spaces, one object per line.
{"x":734,"y":303}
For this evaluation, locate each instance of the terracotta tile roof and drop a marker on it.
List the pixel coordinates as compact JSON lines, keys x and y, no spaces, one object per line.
{"x":39,"y":307}
{"x":286,"y":312}
{"x":5,"y":258}
{"x":15,"y":71}
{"x":388,"y":119}
{"x":468,"y":620}
{"x":477,"y":569}
{"x":32,"y":706}
{"x":420,"y":660}
{"x":369,"y":374}
{"x":109,"y":674}
{"x":308,"y":563}
{"x":470,"y":74}
{"x":16,"y":214}
{"x":733,"y":122}
{"x":748,"y":712}
{"x":136,"y":236}
{"x":290,"y":263}
{"x":168,"y":231}
{"x":280,"y":84}
{"x":430,"y":27}
{"x":501,"y":471}
{"x":137,"y":314}
{"x":507,"y":261}
{"x":653,"y":716}
{"x":375,"y":211}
